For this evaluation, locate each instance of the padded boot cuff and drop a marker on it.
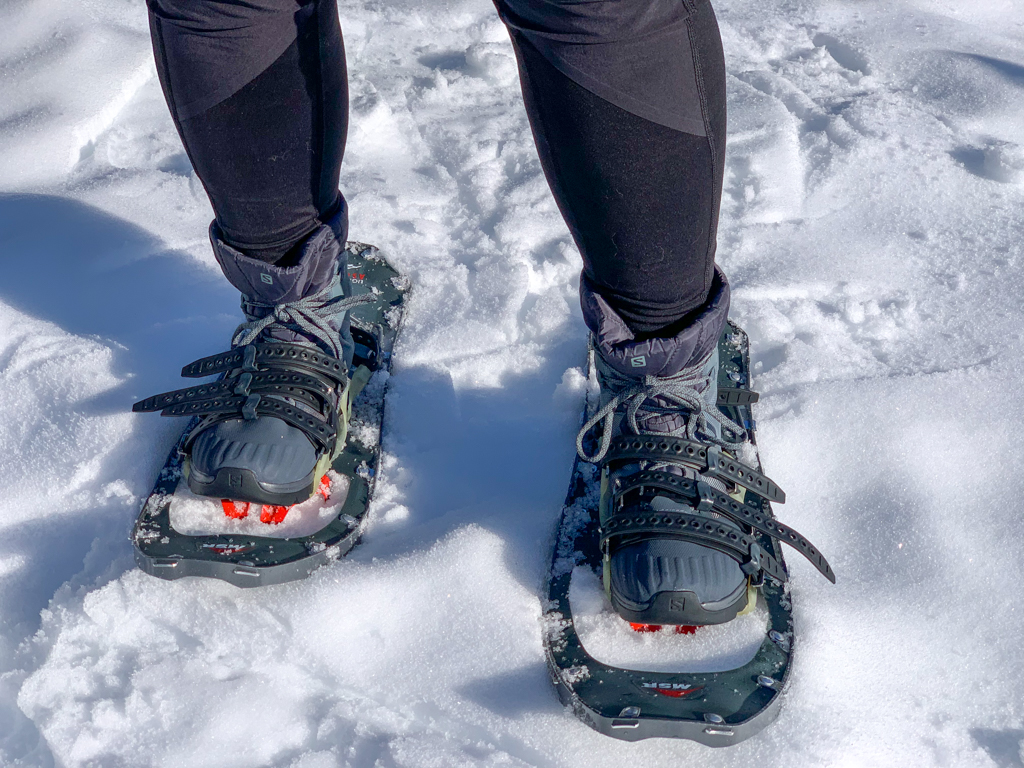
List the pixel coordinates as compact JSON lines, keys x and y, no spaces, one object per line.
{"x":260,"y":281}
{"x":655,"y":357}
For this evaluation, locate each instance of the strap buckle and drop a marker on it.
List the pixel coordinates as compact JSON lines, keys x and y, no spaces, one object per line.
{"x":244,"y":383}
{"x":705,"y":496}
{"x":249,"y":358}
{"x":252,"y":402}
{"x":753,"y":566}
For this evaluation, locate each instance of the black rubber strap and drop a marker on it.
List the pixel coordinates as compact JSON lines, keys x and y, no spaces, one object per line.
{"x":707,"y":459}
{"x":301,"y":386}
{"x":725,"y":468}
{"x":256,"y":357}
{"x":699,"y":494}
{"x":759,"y":521}
{"x":733,"y":396}
{"x":743,"y":548}
{"x":654,"y":448}
{"x":314,"y":425}
{"x":678,"y":486}
{"x":702,"y":495}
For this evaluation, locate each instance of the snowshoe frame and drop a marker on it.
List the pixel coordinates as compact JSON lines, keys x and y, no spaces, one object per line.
{"x":717,"y":709}
{"x":252,"y":561}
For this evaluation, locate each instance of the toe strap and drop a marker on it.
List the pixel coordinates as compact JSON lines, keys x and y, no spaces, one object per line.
{"x":706,"y":459}
{"x":288,"y":384}
{"x":319,"y":429}
{"x":295,"y":383}
{"x":262,"y":356}
{"x":743,"y":548}
{"x":702,"y":496}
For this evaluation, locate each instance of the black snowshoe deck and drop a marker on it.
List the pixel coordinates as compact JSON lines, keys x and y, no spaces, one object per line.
{"x":250,"y":561}
{"x":714,"y":708}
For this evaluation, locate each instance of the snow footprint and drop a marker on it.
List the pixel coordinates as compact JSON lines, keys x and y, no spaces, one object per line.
{"x":992,"y":159}
{"x":822,"y":332}
{"x":788,"y":119}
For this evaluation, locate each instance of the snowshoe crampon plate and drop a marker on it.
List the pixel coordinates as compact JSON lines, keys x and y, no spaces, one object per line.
{"x":251,"y":561}
{"x":714,"y":708}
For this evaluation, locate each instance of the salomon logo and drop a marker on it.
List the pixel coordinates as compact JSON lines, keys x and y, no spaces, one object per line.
{"x":676,"y":605}
{"x":266,"y":278}
{"x":639,"y":361}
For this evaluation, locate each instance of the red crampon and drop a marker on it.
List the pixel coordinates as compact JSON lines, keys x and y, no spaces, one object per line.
{"x":269,"y":513}
{"x":679,"y":629}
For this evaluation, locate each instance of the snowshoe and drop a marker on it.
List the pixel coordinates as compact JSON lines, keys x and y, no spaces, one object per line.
{"x":327,"y":402}
{"x":683,"y":535}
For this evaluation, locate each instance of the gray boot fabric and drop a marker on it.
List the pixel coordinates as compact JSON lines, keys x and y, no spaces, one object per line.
{"x":664,"y":387}
{"x":263,"y":458}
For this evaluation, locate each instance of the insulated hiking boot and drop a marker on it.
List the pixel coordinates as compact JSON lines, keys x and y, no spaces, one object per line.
{"x":658,"y":424}
{"x":269,"y":427}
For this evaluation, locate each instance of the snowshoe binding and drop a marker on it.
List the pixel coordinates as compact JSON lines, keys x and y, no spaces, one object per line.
{"x":290,"y":424}
{"x":668,"y":502}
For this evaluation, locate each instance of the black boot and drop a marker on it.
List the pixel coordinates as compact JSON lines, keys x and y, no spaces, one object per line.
{"x":656,"y":389}
{"x":271,"y":426}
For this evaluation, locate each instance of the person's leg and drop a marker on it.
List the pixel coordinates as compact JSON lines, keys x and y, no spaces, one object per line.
{"x":628,"y":108}
{"x":627,"y":104}
{"x":259,"y":95}
{"x":258,"y":92}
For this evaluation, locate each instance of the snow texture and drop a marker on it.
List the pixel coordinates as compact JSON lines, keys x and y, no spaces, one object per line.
{"x":609,"y":639}
{"x":193,"y":515}
{"x":872,"y":227}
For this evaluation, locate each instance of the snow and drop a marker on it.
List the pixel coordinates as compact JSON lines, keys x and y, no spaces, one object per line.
{"x":872,"y":230}
{"x":193,"y":515}
{"x":607,"y":638}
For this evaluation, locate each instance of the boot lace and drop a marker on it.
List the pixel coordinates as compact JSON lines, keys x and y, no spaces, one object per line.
{"x":308,"y":315}
{"x":682,"y":391}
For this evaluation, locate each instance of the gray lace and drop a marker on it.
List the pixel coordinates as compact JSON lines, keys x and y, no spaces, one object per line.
{"x":682,"y":391}
{"x":309,"y":314}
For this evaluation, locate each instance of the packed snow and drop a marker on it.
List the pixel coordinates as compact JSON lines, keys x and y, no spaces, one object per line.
{"x":872,"y":228}
{"x":609,"y":639}
{"x":193,"y":515}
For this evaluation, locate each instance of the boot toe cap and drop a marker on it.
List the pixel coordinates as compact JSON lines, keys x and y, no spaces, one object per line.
{"x":643,"y":570}
{"x":276,"y":453}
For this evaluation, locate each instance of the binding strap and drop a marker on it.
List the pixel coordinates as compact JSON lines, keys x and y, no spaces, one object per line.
{"x":257,"y":357}
{"x":316,"y":426}
{"x":741,"y":547}
{"x":295,"y":385}
{"x":702,"y":496}
{"x":706,"y":459}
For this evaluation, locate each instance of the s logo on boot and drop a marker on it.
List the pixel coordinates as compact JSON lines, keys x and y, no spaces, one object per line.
{"x":266,"y":278}
{"x":676,"y":605}
{"x":639,"y":361}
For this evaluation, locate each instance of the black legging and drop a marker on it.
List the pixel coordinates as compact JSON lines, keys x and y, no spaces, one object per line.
{"x":626,"y":102}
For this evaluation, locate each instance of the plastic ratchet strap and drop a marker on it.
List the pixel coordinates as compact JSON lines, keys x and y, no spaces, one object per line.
{"x":707,"y":459}
{"x":703,"y":530}
{"x":300,"y":386}
{"x":315,"y":425}
{"x":256,"y":357}
{"x":701,"y":495}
